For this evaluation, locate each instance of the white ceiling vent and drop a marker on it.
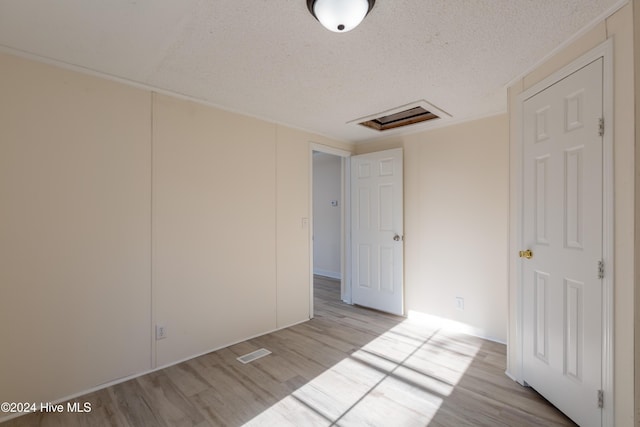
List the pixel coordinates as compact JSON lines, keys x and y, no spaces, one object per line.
{"x":406,"y":115}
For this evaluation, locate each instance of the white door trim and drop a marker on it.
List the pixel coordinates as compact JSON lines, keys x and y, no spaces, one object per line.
{"x":605,"y":51}
{"x":345,"y":203}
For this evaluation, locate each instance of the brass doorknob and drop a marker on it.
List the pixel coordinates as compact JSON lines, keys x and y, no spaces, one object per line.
{"x":526,"y":254}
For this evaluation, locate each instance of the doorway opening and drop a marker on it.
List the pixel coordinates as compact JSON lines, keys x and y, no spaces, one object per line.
{"x":327,"y":226}
{"x":329,"y":207}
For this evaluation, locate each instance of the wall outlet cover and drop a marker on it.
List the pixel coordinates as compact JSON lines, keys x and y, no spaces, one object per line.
{"x":161,"y":332}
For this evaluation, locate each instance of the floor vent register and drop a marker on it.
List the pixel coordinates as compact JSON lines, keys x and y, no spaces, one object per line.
{"x":250,"y":357}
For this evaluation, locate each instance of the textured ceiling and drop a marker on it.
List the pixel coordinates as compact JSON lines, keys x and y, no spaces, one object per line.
{"x":271,"y":59}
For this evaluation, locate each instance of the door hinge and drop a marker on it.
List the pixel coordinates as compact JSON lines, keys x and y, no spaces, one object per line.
{"x":601,"y":126}
{"x":600,"y":399}
{"x":600,"y":269}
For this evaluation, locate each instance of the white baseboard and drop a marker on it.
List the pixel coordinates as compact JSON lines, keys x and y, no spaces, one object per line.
{"x":327,"y":273}
{"x":452,"y":325}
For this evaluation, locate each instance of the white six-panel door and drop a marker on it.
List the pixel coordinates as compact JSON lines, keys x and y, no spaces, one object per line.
{"x":563,"y":228}
{"x":377,"y":230}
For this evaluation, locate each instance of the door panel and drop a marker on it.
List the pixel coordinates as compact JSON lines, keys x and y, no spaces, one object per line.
{"x":562,"y":225}
{"x":376,"y":179}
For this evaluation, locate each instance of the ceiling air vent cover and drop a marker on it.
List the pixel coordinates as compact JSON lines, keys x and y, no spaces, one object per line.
{"x":402,"y":118}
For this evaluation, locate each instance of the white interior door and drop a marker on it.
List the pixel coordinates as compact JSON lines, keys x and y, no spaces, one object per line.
{"x":377,"y":230}
{"x":563,"y":228}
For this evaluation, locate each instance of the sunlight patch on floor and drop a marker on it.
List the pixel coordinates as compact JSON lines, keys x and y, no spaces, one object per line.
{"x":403,"y":375}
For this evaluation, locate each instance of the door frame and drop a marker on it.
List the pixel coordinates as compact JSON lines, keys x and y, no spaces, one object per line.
{"x":345,"y":224}
{"x":605,"y":51}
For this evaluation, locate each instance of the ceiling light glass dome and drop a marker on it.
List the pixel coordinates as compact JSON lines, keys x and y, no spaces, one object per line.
{"x":340,"y":15}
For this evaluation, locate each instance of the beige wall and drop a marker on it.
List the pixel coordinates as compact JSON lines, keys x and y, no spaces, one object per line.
{"x":214,"y":234}
{"x":122,"y":208}
{"x":456,"y":199}
{"x":75,"y":222}
{"x":619,"y":27}
{"x":293,"y":246}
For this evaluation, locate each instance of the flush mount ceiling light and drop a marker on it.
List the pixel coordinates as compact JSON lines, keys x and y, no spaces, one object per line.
{"x":340,"y":15}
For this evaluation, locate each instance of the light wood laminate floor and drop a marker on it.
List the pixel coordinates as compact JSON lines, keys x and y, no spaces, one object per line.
{"x":348,"y":366}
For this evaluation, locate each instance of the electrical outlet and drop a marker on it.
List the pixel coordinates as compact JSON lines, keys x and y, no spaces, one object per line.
{"x":161,"y":332}
{"x":460,"y":303}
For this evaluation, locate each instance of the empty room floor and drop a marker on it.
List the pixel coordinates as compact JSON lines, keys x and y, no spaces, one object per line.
{"x":348,"y":366}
